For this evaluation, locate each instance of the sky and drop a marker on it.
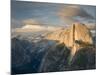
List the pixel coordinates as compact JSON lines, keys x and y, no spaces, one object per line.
{"x":53,"y":14}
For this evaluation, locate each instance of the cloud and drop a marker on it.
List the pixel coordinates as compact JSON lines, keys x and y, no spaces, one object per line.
{"x":30,"y":21}
{"x":20,"y":23}
{"x":68,"y":12}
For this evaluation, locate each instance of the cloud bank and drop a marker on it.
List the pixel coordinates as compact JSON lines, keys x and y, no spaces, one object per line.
{"x":73,"y":13}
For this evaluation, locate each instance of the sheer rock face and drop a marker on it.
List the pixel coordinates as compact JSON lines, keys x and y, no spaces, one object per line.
{"x":80,"y":37}
{"x":75,"y":37}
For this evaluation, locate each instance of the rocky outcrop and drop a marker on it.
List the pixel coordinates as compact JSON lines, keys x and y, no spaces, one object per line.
{"x":74,"y":37}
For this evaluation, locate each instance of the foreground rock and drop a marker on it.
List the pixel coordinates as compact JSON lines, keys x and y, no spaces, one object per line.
{"x":27,"y":56}
{"x":84,"y":59}
{"x":57,"y":60}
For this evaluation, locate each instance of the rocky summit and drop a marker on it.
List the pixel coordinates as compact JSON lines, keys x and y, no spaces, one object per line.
{"x":74,"y":37}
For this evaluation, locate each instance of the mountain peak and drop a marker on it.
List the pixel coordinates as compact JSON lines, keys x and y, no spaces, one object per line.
{"x":75,"y":37}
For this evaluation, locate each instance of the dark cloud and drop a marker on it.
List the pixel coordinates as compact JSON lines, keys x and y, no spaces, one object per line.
{"x":74,"y":13}
{"x":71,"y":11}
